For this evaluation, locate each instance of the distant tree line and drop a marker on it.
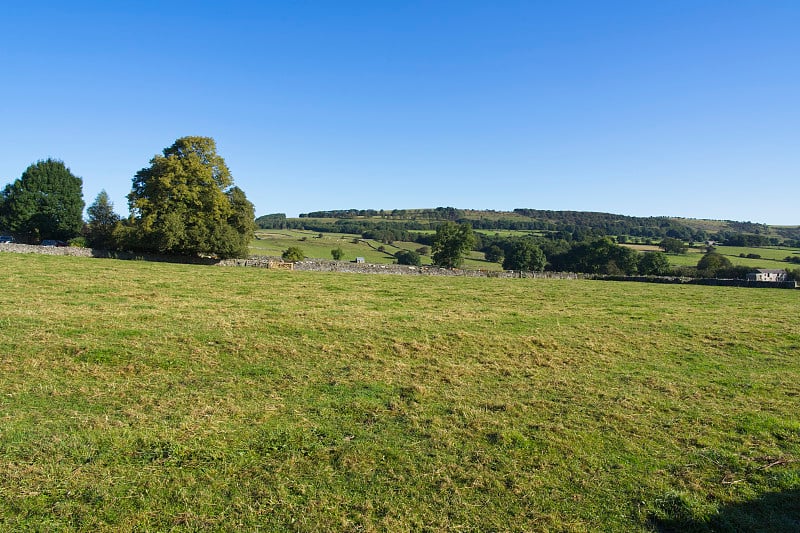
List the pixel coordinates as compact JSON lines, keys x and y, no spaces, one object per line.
{"x":438,"y":213}
{"x":568,"y":225}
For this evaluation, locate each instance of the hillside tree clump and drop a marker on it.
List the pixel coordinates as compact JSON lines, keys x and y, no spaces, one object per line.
{"x":185,"y":203}
{"x":46,"y":202}
{"x":494,"y":254}
{"x":673,"y":246}
{"x":524,"y":255}
{"x":451,"y":243}
{"x":654,"y":264}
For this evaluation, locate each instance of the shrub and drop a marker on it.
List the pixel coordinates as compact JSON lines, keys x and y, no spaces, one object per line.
{"x":408,"y":257}
{"x":712,"y":263}
{"x":494,"y":254}
{"x":293,"y":254}
{"x":78,"y":242}
{"x":337,"y":254}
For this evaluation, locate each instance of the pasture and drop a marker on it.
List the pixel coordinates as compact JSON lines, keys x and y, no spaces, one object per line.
{"x":144,"y":396}
{"x":274,"y":242}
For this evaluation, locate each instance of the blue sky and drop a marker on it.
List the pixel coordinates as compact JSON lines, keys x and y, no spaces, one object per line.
{"x":678,"y":108}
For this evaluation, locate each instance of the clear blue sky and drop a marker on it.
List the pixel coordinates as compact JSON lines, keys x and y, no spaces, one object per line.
{"x":680,"y":108}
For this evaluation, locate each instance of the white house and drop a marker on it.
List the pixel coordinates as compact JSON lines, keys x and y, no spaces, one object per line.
{"x":766,"y":274}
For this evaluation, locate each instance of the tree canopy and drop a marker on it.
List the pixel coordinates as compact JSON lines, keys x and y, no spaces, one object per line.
{"x":450,"y":244}
{"x":185,"y":203}
{"x":408,"y":257}
{"x":673,"y":246}
{"x":524,"y":255}
{"x":654,"y":264}
{"x":46,"y":202}
{"x":712,"y":263}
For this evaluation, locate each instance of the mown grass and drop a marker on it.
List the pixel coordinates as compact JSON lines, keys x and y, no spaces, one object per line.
{"x":139,"y":396}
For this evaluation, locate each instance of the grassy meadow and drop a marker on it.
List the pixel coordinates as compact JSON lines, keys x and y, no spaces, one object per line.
{"x":274,"y":242}
{"x":152,"y":397}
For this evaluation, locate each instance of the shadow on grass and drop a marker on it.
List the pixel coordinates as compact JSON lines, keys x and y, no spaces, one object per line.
{"x":133,"y":256}
{"x":775,"y":511}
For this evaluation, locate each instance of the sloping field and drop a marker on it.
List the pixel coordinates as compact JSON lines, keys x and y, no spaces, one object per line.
{"x":140,"y":396}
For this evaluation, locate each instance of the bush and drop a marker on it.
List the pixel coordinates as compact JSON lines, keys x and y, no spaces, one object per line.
{"x":293,"y":254}
{"x":337,"y":254}
{"x":408,"y":257}
{"x":494,"y":254}
{"x":654,"y":264}
{"x":77,"y":242}
{"x":712,"y":263}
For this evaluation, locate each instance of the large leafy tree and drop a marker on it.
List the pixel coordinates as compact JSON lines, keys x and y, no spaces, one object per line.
{"x":524,"y":255}
{"x":600,"y":256}
{"x":654,"y":264}
{"x":46,"y":202}
{"x":185,"y":203}
{"x":102,"y":222}
{"x":451,"y":243}
{"x":712,"y":263}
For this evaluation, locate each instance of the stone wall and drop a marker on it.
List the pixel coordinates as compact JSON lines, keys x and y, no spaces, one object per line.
{"x":347,"y":267}
{"x":704,"y":281}
{"x":46,"y":250}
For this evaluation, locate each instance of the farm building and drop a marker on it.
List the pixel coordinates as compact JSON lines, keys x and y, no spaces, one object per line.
{"x":765,"y":274}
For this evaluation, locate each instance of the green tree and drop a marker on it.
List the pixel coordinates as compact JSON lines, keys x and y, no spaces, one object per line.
{"x":673,"y":246}
{"x":102,"y":222}
{"x":337,"y":253}
{"x":524,"y":255}
{"x":408,"y":257}
{"x":184,"y":203}
{"x":451,"y":243}
{"x":712,"y":263}
{"x":45,"y":203}
{"x":654,"y":264}
{"x":494,"y":254}
{"x":293,"y":254}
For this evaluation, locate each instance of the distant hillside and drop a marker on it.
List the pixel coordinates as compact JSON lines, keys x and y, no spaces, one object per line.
{"x":576,"y":223}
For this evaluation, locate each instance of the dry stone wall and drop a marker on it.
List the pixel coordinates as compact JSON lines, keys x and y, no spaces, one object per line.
{"x":369,"y":268}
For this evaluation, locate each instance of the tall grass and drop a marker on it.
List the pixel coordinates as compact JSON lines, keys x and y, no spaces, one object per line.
{"x":140,"y":396}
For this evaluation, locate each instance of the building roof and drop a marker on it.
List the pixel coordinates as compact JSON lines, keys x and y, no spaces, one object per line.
{"x":770,"y":270}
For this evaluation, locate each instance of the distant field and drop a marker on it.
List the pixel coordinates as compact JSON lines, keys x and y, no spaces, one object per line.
{"x":273,"y":242}
{"x":770,"y":257}
{"x":153,"y":397}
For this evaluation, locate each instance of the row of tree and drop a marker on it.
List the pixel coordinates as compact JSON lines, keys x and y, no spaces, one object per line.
{"x":453,"y":241}
{"x":184,"y":203}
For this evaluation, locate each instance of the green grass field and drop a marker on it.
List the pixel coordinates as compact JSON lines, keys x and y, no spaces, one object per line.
{"x":152,"y":397}
{"x":273,"y":242}
{"x":770,"y":257}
